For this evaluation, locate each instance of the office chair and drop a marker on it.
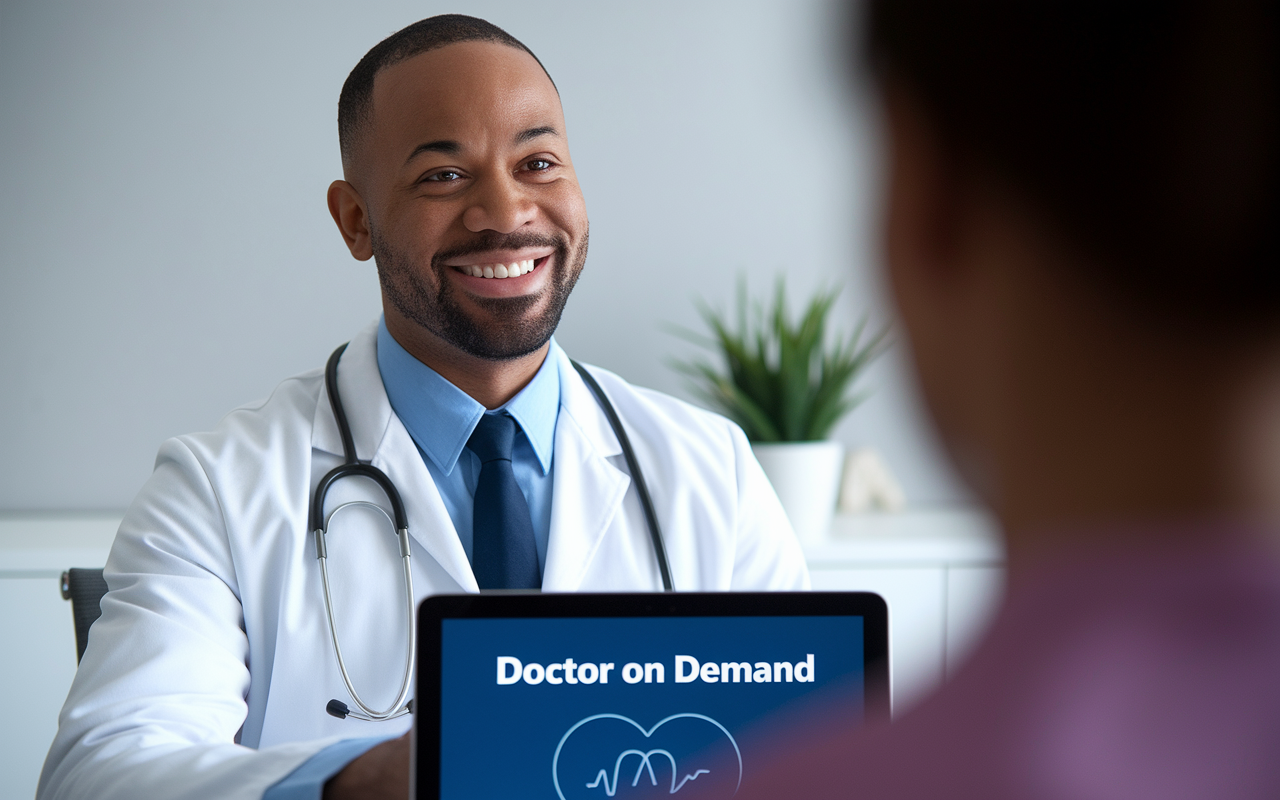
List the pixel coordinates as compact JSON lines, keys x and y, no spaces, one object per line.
{"x":84,"y":588}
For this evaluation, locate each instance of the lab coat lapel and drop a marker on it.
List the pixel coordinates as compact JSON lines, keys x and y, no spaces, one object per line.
{"x":381,"y":437}
{"x":588,"y":490}
{"x":429,"y":522}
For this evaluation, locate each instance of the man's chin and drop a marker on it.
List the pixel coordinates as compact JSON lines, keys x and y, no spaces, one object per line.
{"x":500,"y":349}
{"x":501,"y":338}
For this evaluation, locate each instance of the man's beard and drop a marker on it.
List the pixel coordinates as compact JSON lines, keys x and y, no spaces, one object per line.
{"x":511,"y":332}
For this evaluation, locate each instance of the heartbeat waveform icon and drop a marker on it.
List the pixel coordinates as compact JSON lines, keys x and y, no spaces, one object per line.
{"x":611,"y":790}
{"x":646,"y":756}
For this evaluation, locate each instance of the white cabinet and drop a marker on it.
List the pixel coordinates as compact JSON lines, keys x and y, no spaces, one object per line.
{"x":39,"y":638}
{"x":39,"y":663}
{"x":973,"y":595}
{"x":939,"y":571}
{"x":916,"y":626}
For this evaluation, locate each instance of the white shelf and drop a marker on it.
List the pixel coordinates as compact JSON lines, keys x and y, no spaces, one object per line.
{"x":926,"y":537}
{"x":43,"y":545}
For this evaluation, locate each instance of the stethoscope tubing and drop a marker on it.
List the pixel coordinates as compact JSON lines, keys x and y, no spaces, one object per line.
{"x":398,"y":707}
{"x":352,"y":467}
{"x":633,"y":466}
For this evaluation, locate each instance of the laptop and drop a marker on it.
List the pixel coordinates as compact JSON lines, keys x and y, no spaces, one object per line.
{"x":627,"y":696}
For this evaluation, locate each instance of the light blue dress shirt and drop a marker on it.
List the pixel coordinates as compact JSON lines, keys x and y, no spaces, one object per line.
{"x":440,"y":417}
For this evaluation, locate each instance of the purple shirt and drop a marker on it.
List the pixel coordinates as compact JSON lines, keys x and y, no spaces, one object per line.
{"x":1111,"y":674}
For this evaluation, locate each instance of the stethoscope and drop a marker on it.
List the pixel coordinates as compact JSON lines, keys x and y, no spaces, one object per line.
{"x":353,"y":467}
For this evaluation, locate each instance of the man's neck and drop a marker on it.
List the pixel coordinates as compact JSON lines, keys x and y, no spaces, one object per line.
{"x":490,"y":383}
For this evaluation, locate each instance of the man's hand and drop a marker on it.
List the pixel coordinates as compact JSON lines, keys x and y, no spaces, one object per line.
{"x":382,"y":772}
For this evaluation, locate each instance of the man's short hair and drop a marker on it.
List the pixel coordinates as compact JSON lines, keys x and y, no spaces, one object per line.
{"x":1147,"y":131}
{"x":355,"y":104}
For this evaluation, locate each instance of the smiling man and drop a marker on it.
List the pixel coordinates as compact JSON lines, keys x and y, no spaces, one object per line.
{"x":460,"y":186}
{"x":213,"y":665}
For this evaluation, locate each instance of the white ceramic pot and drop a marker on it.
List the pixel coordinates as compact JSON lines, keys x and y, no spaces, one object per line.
{"x":806,"y":476}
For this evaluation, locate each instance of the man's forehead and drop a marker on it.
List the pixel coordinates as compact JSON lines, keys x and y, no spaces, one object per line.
{"x":465,"y":84}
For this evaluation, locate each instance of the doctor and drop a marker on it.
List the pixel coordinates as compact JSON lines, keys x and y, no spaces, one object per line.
{"x":211,"y":666}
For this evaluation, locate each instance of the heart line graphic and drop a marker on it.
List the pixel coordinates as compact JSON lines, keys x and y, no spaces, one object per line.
{"x":555,"y":761}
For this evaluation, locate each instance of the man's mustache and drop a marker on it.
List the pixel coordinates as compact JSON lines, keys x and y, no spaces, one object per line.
{"x":491,"y":240}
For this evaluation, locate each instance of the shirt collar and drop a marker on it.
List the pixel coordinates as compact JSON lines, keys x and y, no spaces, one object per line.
{"x":537,"y":406}
{"x":440,"y":417}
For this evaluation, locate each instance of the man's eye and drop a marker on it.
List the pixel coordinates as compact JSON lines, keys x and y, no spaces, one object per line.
{"x":539,"y":164}
{"x":448,"y":176}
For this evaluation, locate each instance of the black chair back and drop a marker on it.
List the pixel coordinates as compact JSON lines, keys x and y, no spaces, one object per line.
{"x":84,"y":588}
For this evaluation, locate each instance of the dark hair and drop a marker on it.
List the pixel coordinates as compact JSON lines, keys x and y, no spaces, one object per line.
{"x":355,"y":104}
{"x":1147,"y":130}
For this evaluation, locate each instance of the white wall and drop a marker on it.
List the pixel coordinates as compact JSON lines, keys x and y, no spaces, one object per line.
{"x":167,"y":254}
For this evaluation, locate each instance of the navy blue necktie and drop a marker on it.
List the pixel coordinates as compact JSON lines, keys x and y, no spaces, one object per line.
{"x":503,"y":553}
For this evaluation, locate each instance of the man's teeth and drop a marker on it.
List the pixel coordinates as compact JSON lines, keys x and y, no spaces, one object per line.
{"x":514,"y":270}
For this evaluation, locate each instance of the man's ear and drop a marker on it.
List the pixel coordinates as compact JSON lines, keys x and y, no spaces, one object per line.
{"x":925,"y":195}
{"x":352,"y":217}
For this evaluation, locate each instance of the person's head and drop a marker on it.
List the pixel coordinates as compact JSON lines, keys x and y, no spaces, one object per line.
{"x":457,"y":171}
{"x":1082,"y":222}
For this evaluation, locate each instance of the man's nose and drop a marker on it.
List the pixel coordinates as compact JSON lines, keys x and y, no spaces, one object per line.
{"x":501,"y":205}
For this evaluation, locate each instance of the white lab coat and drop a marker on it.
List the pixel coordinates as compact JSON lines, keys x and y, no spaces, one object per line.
{"x":208,"y":673}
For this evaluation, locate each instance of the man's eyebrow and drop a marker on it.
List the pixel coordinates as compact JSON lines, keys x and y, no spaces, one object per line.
{"x":534,"y":133}
{"x":446,"y":146}
{"x":450,"y":147}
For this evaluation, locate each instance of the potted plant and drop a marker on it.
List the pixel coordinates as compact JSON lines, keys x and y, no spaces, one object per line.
{"x":787,"y":384}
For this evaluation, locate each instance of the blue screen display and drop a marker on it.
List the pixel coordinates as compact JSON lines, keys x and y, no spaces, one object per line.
{"x":570,"y":709}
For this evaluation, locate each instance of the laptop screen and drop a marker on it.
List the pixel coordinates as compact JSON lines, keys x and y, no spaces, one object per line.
{"x":631,"y":696}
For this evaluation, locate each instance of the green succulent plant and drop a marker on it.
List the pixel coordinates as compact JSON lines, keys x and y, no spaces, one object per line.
{"x":781,"y":381}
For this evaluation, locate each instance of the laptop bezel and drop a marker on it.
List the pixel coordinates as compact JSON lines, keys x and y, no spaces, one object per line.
{"x":425,"y":769}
